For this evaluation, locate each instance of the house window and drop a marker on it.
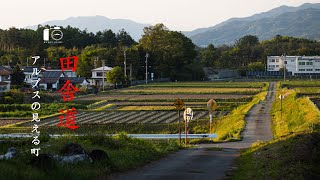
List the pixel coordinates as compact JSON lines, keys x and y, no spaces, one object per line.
{"x":309,"y":69}
{"x":285,"y":62}
{"x":302,"y":70}
{"x":273,"y":60}
{"x":309,"y":63}
{"x":302,"y":63}
{"x":277,"y":60}
{"x":99,"y":74}
{"x":277,"y":65}
{"x":317,"y":69}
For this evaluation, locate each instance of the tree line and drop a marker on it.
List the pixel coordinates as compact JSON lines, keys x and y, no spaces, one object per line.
{"x":248,"y":53}
{"x":171,"y":53}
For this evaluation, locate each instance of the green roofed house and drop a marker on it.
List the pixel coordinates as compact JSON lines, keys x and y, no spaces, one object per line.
{"x":5,"y":75}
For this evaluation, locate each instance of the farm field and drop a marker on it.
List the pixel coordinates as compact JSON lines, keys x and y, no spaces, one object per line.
{"x":121,"y":110}
{"x":189,"y":90}
{"x":157,"y":97}
{"x":195,"y":88}
{"x":308,"y":88}
{"x":206,"y":84}
{"x":133,"y":116}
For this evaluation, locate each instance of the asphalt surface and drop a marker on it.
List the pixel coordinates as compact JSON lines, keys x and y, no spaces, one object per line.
{"x":203,"y":163}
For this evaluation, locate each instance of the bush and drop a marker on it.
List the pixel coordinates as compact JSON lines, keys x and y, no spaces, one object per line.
{"x":8,"y":100}
{"x":13,"y":96}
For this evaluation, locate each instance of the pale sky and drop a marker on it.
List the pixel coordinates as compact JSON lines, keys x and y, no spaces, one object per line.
{"x":175,"y":14}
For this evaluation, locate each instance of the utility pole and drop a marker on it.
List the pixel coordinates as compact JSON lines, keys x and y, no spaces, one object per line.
{"x":284,"y":67}
{"x":103,"y":74}
{"x":130,"y":73}
{"x":147,"y":55}
{"x":125,"y":63}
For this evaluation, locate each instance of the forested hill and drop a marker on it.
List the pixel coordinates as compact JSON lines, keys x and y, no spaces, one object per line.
{"x":301,"y":23}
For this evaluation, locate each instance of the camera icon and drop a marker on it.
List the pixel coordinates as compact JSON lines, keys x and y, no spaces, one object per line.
{"x":52,"y":33}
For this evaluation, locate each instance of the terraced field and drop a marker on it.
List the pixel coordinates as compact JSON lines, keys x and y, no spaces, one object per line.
{"x":157,"y":97}
{"x":153,"y":104}
{"x":304,"y":88}
{"x":189,"y":90}
{"x":105,"y":117}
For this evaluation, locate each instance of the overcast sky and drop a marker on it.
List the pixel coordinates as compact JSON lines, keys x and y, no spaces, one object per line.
{"x":175,"y":14}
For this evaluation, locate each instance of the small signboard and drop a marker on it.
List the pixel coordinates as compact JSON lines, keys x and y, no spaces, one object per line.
{"x":281,"y":96}
{"x":188,"y":114}
{"x":179,"y":104}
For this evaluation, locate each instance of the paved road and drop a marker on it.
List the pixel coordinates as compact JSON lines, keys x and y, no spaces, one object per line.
{"x":201,"y":163}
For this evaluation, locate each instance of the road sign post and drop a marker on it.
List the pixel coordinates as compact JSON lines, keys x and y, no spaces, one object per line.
{"x":179,"y":104}
{"x":187,"y":116}
{"x":212,"y":106}
{"x":179,"y":128}
{"x":281,"y":97}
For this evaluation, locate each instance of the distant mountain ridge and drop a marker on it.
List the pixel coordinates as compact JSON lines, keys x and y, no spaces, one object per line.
{"x":302,"y":21}
{"x":218,"y":35}
{"x":99,"y":23}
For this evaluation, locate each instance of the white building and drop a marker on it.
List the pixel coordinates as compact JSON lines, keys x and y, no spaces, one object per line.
{"x":297,"y":65}
{"x":28,"y":71}
{"x":98,"y":75}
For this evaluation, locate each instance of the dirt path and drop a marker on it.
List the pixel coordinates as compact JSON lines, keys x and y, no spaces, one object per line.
{"x":203,"y":163}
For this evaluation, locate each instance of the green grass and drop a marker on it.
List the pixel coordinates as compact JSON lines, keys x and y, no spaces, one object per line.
{"x":303,"y":87}
{"x":295,"y":151}
{"x":293,"y":84}
{"x":295,"y":156}
{"x":309,"y":90}
{"x":24,"y":110}
{"x":124,"y":153}
{"x":298,"y":114}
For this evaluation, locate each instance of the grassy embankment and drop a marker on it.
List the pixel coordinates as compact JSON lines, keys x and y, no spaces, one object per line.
{"x":124,"y":153}
{"x":295,"y":151}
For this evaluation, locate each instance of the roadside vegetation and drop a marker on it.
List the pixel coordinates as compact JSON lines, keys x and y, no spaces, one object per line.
{"x":294,"y":153}
{"x":123,"y":153}
{"x":230,"y":127}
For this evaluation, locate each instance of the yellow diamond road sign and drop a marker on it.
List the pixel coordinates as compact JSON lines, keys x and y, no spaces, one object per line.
{"x":178,"y":103}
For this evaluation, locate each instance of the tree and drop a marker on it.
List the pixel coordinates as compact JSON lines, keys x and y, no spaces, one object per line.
{"x":170,"y":51}
{"x":124,"y":39}
{"x":208,"y":56}
{"x":107,"y":38}
{"x":17,"y":76}
{"x":247,"y":40}
{"x":256,"y":66}
{"x":115,"y":76}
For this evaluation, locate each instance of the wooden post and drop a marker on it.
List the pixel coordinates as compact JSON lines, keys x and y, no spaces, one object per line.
{"x":186,"y":132}
{"x":179,"y":128}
